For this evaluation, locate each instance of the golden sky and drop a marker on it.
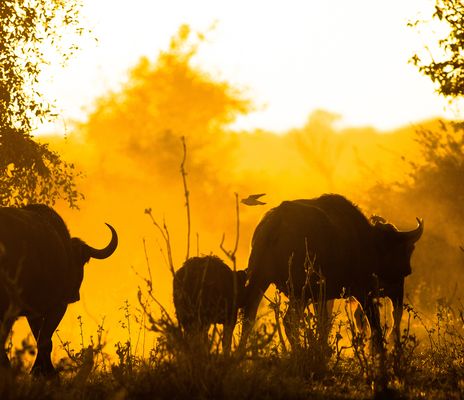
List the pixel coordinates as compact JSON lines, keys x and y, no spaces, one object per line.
{"x":291,"y":57}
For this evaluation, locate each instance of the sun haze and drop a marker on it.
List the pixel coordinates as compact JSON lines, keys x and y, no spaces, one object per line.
{"x":186,"y":121}
{"x":291,"y":57}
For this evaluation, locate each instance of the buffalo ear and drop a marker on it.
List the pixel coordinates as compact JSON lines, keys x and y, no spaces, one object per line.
{"x":377,"y":220}
{"x":409,"y":237}
{"x":81,"y":253}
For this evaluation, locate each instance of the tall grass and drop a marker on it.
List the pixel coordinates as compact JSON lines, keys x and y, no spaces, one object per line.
{"x":333,"y":358}
{"x":427,"y":363}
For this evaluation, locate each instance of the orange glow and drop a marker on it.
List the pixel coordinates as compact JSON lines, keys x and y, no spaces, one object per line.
{"x":130,"y":151}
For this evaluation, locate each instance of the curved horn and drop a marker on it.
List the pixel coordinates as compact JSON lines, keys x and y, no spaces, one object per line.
{"x":414,"y":235}
{"x":108,"y":250}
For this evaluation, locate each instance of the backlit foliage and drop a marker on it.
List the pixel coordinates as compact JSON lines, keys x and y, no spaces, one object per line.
{"x":441,"y":173}
{"x":432,"y":188}
{"x":320,"y":148}
{"x":447,"y":68}
{"x":161,"y":101}
{"x":30,"y":34}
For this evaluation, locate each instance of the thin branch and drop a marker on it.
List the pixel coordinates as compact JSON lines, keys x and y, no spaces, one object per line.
{"x":167,"y":240}
{"x":168,"y":247}
{"x":148,"y":211}
{"x":231,"y":253}
{"x":150,"y":279}
{"x":237,"y":225}
{"x":144,"y":305}
{"x":186,"y":193}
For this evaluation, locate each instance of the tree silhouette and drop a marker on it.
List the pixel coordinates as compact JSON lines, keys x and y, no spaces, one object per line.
{"x":446,"y":65}
{"x":30,"y":35}
{"x":163,"y":100}
{"x":439,"y":175}
{"x":320,"y":147}
{"x":434,"y":187}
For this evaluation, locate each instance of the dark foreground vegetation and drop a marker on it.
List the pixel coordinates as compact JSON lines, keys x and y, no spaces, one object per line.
{"x":428,"y":363}
{"x":429,"y":360}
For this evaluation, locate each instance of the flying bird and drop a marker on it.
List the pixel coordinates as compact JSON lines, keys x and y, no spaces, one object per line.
{"x":252,"y":200}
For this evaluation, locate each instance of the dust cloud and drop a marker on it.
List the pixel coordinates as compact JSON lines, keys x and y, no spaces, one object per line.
{"x":130,"y":151}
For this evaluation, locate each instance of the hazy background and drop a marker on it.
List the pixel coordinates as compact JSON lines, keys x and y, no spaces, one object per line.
{"x":290,"y":57}
{"x":292,"y":101}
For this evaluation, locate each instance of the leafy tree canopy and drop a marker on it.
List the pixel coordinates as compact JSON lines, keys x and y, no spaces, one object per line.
{"x":446,"y":67}
{"x":433,"y":188}
{"x":161,"y":101}
{"x":31,"y":33}
{"x":439,"y":175}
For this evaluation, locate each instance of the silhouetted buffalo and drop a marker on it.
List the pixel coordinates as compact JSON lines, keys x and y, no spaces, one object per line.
{"x":206,"y":291}
{"x":41,"y":271}
{"x":302,"y":244}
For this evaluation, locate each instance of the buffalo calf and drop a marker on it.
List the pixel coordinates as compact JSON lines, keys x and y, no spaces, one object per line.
{"x":206,"y":291}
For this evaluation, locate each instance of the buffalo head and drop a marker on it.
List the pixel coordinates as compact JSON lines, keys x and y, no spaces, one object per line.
{"x":395,"y":248}
{"x":82,"y":253}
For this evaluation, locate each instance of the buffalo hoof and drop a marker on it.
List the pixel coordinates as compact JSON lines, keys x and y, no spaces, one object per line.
{"x":388,"y":394}
{"x":6,"y":371}
{"x":46,"y":372}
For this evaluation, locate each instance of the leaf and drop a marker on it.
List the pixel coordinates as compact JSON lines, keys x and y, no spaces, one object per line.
{"x":9,"y":170}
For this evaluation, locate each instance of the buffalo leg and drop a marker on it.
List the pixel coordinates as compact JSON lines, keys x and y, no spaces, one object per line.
{"x":43,"y":329}
{"x":227,"y":334}
{"x":329,"y":306}
{"x":378,"y":343}
{"x":358,"y":317}
{"x":6,"y":323}
{"x":373,"y":316}
{"x":396,"y":296}
{"x":253,"y":298}
{"x":195,"y":335}
{"x":324,"y":310}
{"x":35,"y":323}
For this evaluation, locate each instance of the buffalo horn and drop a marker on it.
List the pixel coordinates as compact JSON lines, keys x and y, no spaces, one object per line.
{"x":108,"y":250}
{"x":414,"y":235}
